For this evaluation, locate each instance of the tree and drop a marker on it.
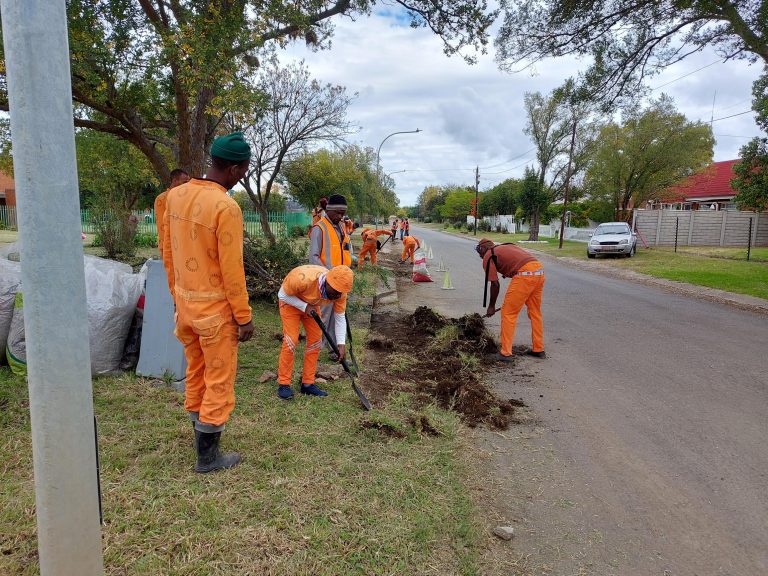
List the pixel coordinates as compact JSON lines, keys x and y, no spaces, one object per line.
{"x":301,"y":112}
{"x":161,"y":74}
{"x":458,"y":204}
{"x":548,"y":128}
{"x":534,"y":199}
{"x":651,"y":150}
{"x":751,"y":179}
{"x":502,"y":198}
{"x":629,"y":39}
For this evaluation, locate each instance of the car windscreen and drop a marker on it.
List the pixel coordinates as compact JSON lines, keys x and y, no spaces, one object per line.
{"x":612,"y":230}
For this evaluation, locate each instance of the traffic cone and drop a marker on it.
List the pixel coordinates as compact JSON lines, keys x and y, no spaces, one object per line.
{"x":430,"y":256}
{"x":441,"y":266}
{"x":447,"y":281}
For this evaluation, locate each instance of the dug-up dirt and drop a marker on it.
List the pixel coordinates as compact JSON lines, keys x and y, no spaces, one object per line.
{"x":438,"y":360}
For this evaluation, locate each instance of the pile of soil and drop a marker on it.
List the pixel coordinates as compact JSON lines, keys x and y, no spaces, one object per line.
{"x":446,"y":361}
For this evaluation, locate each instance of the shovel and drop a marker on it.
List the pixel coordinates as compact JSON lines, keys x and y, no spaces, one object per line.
{"x":351,"y":352}
{"x":332,"y":342}
{"x":382,"y":246}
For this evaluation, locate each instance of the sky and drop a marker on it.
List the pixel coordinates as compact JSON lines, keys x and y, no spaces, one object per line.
{"x":472,"y":115}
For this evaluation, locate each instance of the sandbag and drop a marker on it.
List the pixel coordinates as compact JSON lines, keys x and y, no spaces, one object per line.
{"x":16,"y":346}
{"x":10,"y":281}
{"x":112,"y":290}
{"x":420,"y":270}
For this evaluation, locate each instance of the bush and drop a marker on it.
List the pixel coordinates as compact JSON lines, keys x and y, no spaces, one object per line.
{"x":115,"y":230}
{"x":484,"y":226}
{"x":266,"y":265}
{"x":145,"y":240}
{"x":446,"y":224}
{"x":298,"y":231}
{"x":427,"y":220}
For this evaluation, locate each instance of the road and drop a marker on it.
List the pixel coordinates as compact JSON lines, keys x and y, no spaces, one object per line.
{"x":646,"y":452}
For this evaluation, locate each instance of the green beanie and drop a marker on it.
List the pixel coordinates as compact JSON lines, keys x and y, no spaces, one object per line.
{"x":232,"y":147}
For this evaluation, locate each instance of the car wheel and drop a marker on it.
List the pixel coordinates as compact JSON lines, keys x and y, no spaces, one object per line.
{"x":634,"y":249}
{"x":629,"y":254}
{"x":590,"y":255}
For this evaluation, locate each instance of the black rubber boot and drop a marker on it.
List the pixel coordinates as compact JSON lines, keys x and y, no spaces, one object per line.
{"x":209,"y":458}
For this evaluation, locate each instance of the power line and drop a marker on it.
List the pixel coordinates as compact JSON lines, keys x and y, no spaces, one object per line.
{"x":685,"y":75}
{"x":507,"y":161}
{"x":733,"y":115}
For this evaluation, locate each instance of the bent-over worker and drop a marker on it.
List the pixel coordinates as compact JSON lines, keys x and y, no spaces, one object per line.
{"x":305,"y":289}
{"x":370,"y":246}
{"x":203,"y":259}
{"x":410,"y":243}
{"x":525,"y":288}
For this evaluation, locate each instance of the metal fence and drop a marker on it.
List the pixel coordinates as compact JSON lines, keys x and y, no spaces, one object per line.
{"x":281,"y":223}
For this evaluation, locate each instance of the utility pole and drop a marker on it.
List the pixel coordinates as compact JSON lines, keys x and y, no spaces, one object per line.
{"x":53,"y":281}
{"x":477,"y":193}
{"x":567,"y":184}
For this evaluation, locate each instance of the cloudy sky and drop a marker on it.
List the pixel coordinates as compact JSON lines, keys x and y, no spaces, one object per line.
{"x":473,"y":115}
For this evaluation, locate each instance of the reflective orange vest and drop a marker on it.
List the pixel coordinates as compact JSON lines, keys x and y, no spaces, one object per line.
{"x":332,"y":252}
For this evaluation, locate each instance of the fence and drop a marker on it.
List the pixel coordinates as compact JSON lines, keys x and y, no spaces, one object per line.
{"x":702,"y":227}
{"x":280,"y":223}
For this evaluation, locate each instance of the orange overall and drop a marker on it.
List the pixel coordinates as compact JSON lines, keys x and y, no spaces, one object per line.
{"x":369,"y":246}
{"x":160,"y":206}
{"x":302,"y":282}
{"x":410,"y":243}
{"x":525,"y":288}
{"x":203,"y":257}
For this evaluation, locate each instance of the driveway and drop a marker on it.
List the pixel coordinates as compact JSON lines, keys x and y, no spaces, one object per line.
{"x":644,"y":450}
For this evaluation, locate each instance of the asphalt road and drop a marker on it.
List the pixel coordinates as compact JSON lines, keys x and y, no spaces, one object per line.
{"x":648,"y":451}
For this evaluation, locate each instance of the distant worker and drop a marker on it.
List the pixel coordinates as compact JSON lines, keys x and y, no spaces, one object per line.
{"x":407,"y":227}
{"x":410,"y":244}
{"x":393,"y":229}
{"x":402,"y":229}
{"x":525,"y":288}
{"x":329,"y":246}
{"x":319,"y":210}
{"x":370,"y":246}
{"x":178,"y":177}
{"x":203,"y":257}
{"x":304,"y":289}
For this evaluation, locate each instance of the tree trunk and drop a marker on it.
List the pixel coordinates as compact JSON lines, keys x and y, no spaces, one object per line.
{"x":265,"y":227}
{"x":533,"y":232}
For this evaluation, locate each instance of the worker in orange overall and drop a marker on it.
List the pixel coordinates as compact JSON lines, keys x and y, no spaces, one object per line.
{"x":305,"y":289}
{"x":525,"y":288}
{"x":203,"y":259}
{"x":178,"y":177}
{"x":370,"y":246}
{"x":319,"y":210}
{"x":394,"y":230}
{"x":410,"y":243}
{"x":329,"y":246}
{"x":402,"y":229}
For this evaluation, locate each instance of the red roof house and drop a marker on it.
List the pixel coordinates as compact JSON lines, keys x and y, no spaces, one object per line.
{"x":708,"y":189}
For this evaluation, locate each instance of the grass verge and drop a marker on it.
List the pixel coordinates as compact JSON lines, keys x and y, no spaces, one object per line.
{"x":318,"y":492}
{"x":722,"y":268}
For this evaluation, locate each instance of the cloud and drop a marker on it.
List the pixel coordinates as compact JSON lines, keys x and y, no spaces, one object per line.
{"x":473,"y":115}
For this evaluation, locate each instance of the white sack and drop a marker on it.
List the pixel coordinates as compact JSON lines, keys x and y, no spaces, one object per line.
{"x":10,"y":281}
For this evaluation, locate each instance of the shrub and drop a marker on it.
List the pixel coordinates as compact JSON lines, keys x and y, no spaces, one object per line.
{"x":484,"y":226}
{"x":446,"y":224}
{"x":145,"y":240}
{"x":427,"y":220}
{"x":298,"y":231}
{"x":266,"y":265}
{"x":115,"y":230}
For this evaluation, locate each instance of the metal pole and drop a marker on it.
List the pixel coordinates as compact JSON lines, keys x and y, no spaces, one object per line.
{"x":55,"y":314}
{"x":567,"y":185}
{"x":677,"y":225}
{"x":749,"y":240}
{"x":477,"y":194}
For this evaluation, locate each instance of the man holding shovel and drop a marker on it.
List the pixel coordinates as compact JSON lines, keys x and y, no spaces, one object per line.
{"x":369,"y":246}
{"x":304,"y":290}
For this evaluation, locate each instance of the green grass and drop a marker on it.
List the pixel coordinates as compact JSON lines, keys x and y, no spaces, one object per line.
{"x":317,"y":493}
{"x":714,"y":267}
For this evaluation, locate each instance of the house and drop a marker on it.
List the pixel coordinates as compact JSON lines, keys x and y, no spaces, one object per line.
{"x":709,"y":189}
{"x":7,"y":190}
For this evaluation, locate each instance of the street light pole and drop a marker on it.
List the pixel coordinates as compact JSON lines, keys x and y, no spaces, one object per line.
{"x":378,"y":152}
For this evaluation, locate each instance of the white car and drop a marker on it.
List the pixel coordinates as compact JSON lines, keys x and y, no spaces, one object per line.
{"x":612,"y":238}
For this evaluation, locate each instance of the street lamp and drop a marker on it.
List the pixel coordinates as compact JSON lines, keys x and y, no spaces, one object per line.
{"x":378,"y":152}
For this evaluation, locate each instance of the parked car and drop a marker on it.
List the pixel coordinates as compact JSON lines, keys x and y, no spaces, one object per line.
{"x":612,"y":238}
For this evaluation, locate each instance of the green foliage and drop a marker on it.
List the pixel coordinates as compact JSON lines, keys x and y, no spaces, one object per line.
{"x":534,"y":199}
{"x":298,"y":231}
{"x":627,"y":40}
{"x":114,"y":229}
{"x":751,"y":179}
{"x":651,"y":150}
{"x":145,"y":240}
{"x":502,"y":198}
{"x":266,"y":264}
{"x":458,"y":203}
